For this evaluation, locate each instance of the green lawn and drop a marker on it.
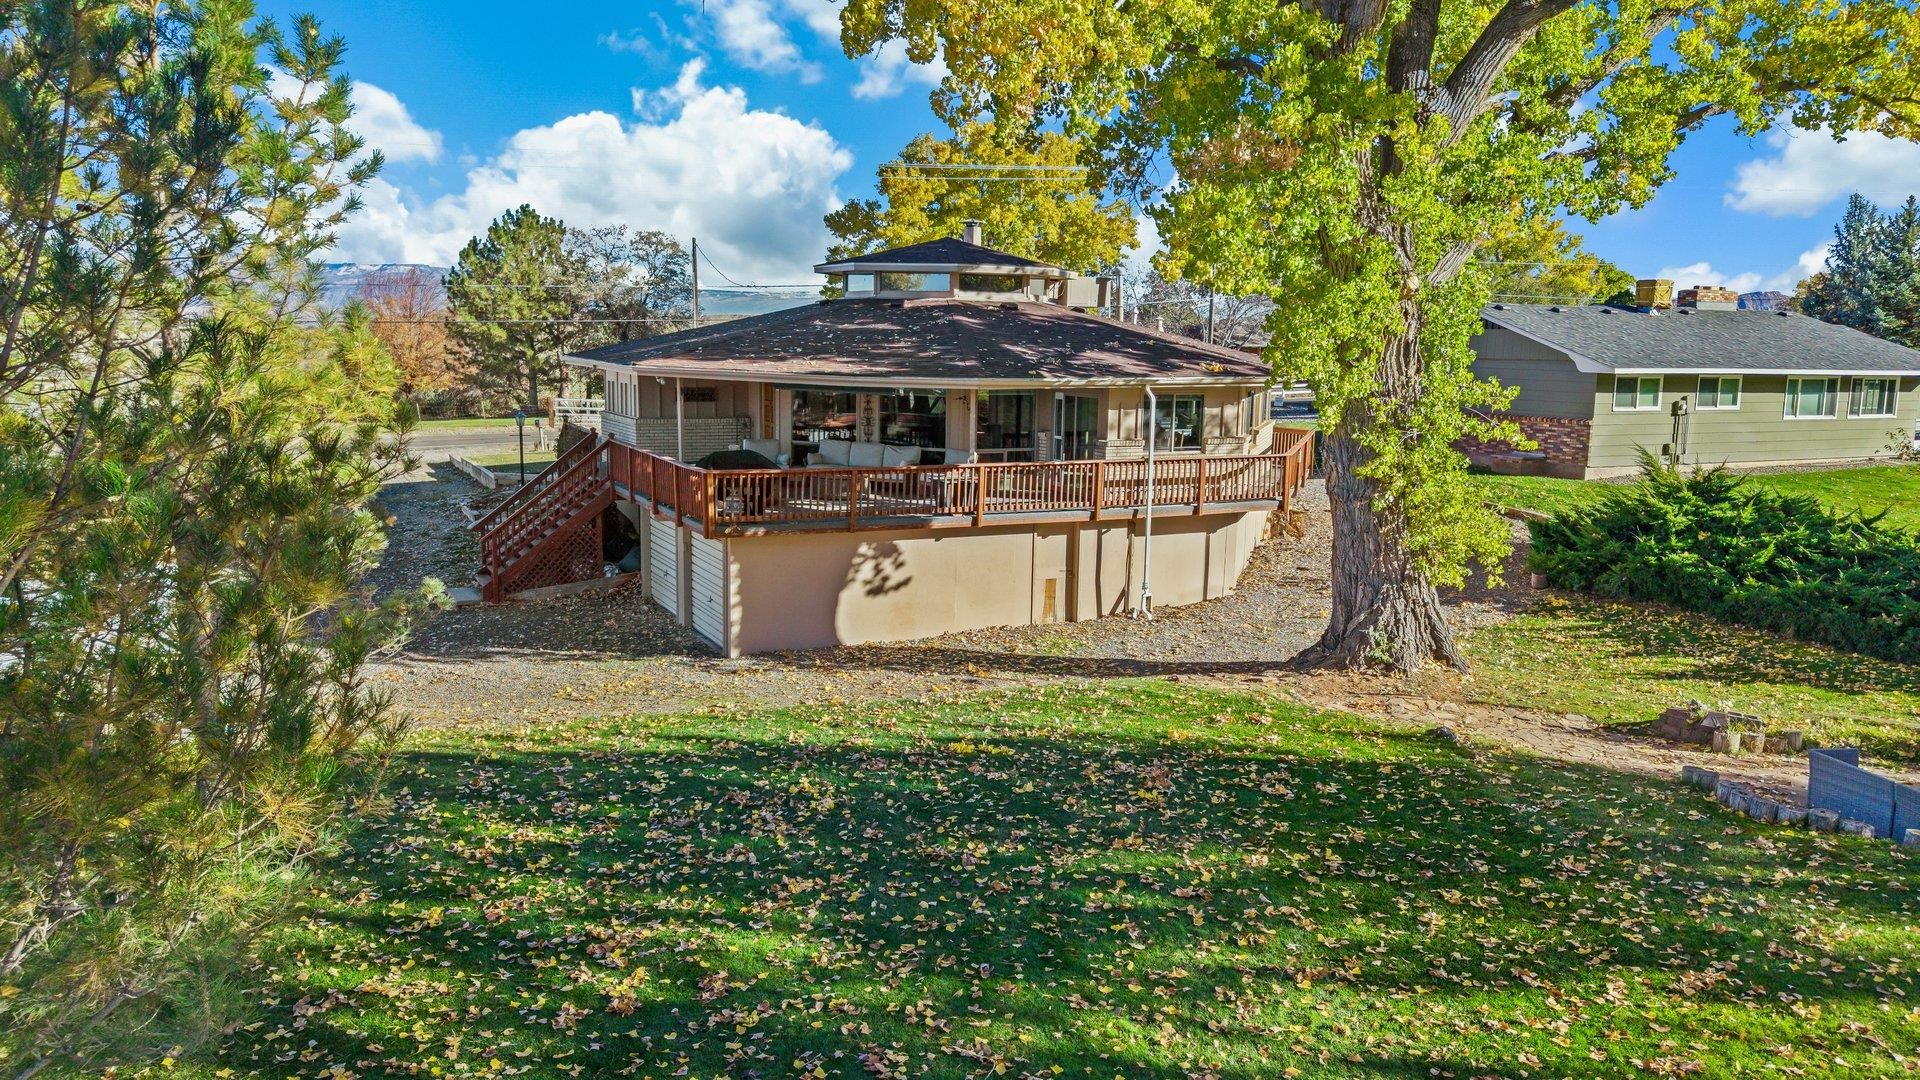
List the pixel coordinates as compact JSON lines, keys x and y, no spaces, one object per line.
{"x":1893,"y":488}
{"x":1141,"y":880}
{"x":509,"y":461}
{"x":1622,"y":663}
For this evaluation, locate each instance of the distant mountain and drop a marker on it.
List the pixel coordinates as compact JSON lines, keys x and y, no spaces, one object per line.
{"x":346,"y":281}
{"x":753,"y":301}
{"x":1766,"y":301}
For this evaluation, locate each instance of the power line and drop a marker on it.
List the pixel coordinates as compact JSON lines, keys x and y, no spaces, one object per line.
{"x":984,"y":165}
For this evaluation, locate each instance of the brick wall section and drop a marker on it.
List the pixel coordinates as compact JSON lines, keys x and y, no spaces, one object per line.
{"x":1563,"y":440}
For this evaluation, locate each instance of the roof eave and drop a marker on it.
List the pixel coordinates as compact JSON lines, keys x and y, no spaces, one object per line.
{"x":858,"y":267}
{"x":706,"y":370}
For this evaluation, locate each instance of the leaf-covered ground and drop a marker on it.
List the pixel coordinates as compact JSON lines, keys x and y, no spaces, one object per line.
{"x":1622,"y":663}
{"x":1146,"y":879}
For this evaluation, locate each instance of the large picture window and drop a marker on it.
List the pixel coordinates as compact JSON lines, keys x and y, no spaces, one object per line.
{"x":1813,"y":399}
{"x":1636,"y":393}
{"x":1873,"y":398}
{"x":914,"y":418}
{"x":903,"y":282}
{"x":820,"y":415}
{"x":1177,"y":422}
{"x":992,"y":283}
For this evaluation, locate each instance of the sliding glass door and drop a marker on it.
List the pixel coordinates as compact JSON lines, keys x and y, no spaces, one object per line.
{"x":1003,"y":430}
{"x":1076,"y":421}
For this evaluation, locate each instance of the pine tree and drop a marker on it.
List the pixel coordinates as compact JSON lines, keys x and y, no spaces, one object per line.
{"x":1844,"y":293}
{"x":186,"y":462}
{"x":514,"y":293}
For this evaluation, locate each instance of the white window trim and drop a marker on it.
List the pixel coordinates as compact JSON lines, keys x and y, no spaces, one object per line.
{"x":1839,"y":389}
{"x":1739,"y":390}
{"x":1659,"y":396}
{"x":1893,"y":398}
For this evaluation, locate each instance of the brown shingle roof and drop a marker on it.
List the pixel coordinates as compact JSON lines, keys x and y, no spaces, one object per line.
{"x":946,"y":251}
{"x":930,"y":339}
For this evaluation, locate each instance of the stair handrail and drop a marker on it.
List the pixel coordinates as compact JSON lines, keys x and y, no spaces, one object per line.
{"x":564,"y":484}
{"x":545,"y":478}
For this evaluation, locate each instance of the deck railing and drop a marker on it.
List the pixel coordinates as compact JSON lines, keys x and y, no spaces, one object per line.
{"x":733,"y":501}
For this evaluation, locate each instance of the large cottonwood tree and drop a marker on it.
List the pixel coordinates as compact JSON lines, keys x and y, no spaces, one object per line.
{"x":1360,"y":152}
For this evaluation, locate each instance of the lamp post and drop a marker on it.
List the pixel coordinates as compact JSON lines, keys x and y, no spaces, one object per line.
{"x":520,"y":427}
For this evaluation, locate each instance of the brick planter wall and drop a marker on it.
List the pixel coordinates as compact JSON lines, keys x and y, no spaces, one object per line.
{"x":1564,"y":441}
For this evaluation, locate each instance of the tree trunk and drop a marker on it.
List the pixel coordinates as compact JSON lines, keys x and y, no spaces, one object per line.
{"x":533,"y":387}
{"x":1385,"y":613}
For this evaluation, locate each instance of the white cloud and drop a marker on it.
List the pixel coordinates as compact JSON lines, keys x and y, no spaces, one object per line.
{"x":1146,"y":244}
{"x":887,"y":72}
{"x":1811,"y":262}
{"x":822,"y":16}
{"x":388,"y":127}
{"x":378,"y":117}
{"x":752,"y":184}
{"x":1810,"y":169}
{"x":752,"y":34}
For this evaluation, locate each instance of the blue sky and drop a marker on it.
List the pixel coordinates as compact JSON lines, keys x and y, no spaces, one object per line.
{"x":741,"y":122}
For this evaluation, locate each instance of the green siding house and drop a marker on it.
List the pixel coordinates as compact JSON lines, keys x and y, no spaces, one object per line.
{"x":1709,"y":385}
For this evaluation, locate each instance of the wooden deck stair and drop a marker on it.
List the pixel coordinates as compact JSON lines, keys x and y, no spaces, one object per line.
{"x":549,"y":531}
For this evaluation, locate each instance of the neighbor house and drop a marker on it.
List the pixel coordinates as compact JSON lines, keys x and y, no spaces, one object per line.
{"x":953,"y":442}
{"x":1700,"y":381}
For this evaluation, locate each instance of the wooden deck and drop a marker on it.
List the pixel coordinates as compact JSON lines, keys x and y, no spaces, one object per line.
{"x":746,"y":502}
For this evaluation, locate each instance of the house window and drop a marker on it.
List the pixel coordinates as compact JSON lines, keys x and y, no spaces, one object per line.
{"x":914,"y":418}
{"x":915,"y":282}
{"x":859,"y":283}
{"x":1873,"y":397}
{"x":992,"y":283}
{"x":819,"y":415}
{"x":1719,"y":392}
{"x":1005,"y":428}
{"x":1636,"y":393}
{"x":1813,"y":399}
{"x":1177,"y":422}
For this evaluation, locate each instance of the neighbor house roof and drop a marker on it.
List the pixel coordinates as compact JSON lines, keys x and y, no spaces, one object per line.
{"x":941,"y":255}
{"x":1601,"y":338}
{"x":928,"y":342}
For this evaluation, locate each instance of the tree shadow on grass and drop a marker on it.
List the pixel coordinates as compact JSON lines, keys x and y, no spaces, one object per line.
{"x":739,"y":897}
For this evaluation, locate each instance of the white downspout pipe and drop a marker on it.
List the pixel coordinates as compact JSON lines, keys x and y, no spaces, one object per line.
{"x":1144,"y":609}
{"x":679,"y":421}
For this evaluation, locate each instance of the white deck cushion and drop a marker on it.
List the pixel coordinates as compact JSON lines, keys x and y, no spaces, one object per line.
{"x":867,"y":455}
{"x":835,"y":452}
{"x":959,"y":457}
{"x":897,"y":456}
{"x":766,"y":448}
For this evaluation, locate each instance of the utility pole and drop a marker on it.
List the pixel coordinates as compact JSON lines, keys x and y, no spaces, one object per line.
{"x":696,"y":281}
{"x":1209,"y":316}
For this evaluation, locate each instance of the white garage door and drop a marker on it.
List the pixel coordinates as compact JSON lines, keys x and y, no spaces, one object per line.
{"x":708,"y":588}
{"x":664,"y":580}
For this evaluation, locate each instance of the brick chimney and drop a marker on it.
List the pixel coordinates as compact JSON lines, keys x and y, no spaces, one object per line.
{"x":970,"y":231}
{"x":1709,"y":298}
